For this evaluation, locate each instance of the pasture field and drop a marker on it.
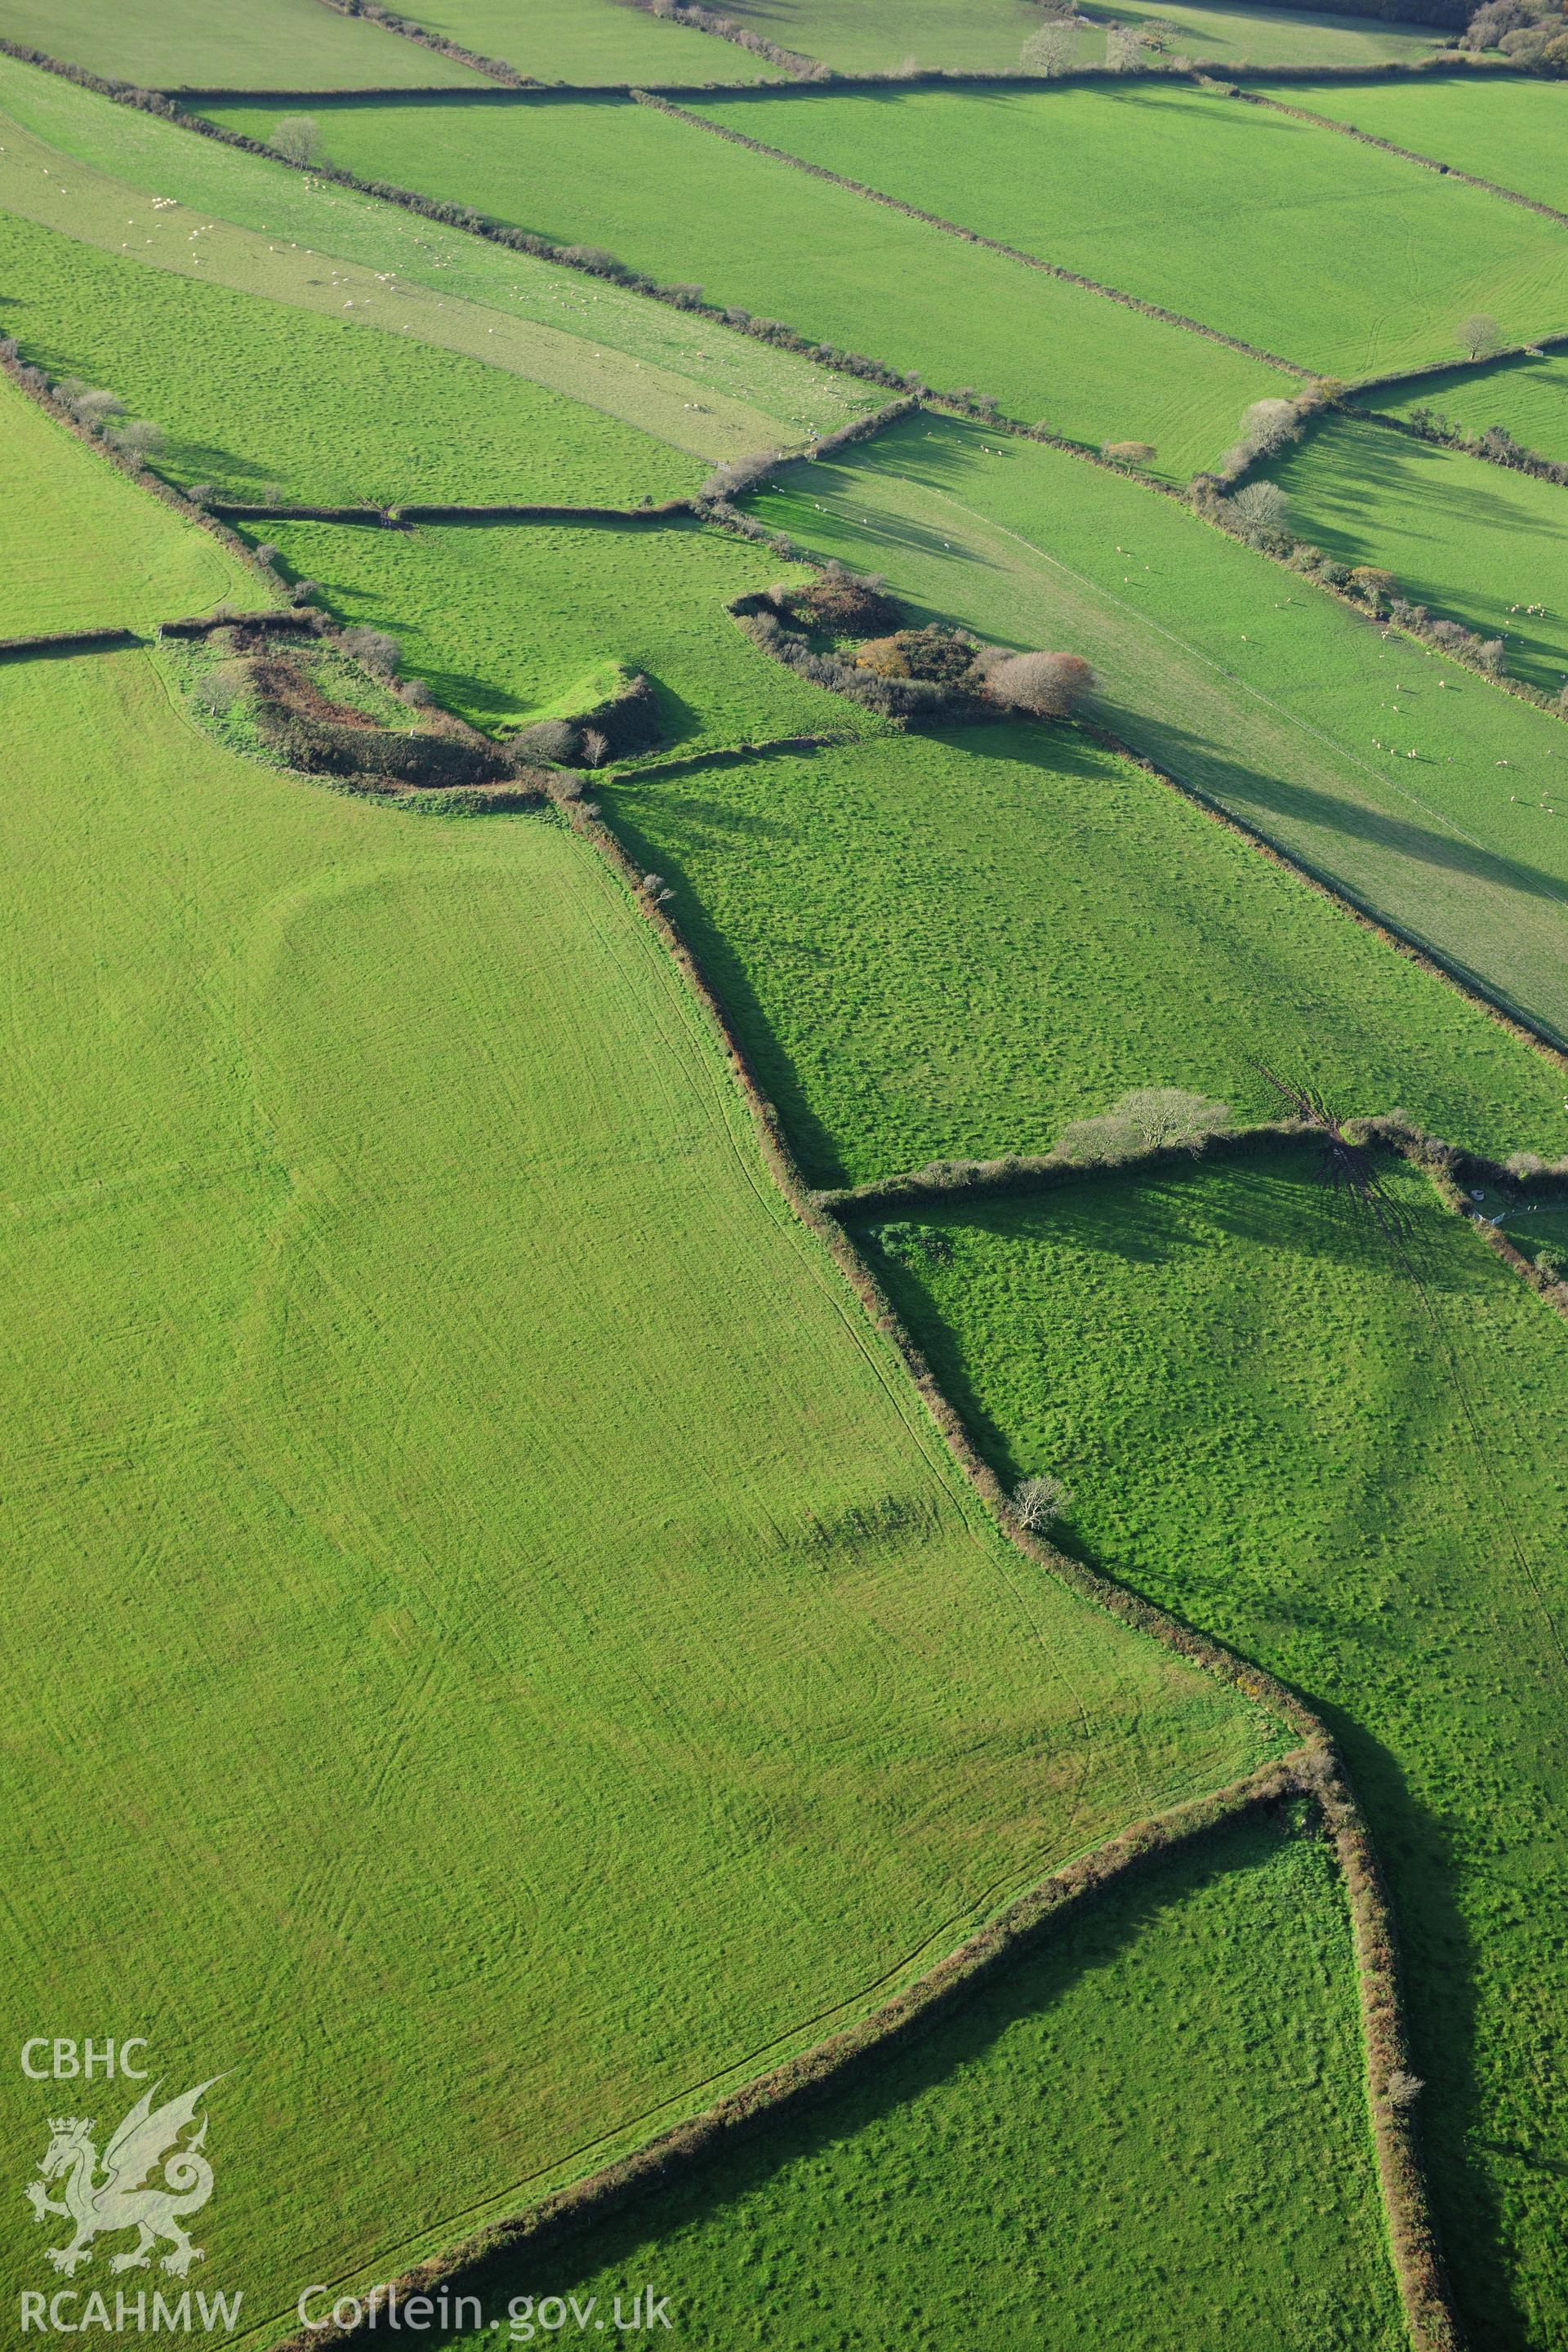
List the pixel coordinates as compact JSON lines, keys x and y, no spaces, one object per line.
{"x":1528,"y":397}
{"x":763,"y":235}
{"x":256,"y":395}
{"x":86,"y":548}
{"x":1156,"y":189}
{"x":1343,"y":1458}
{"x":535,"y":1640}
{"x":1512,"y":133}
{"x":1476,"y":543}
{"x":869,"y":36}
{"x":915,"y":937}
{"x":228,"y":45}
{"x":73,"y":162}
{"x":1025,"y":2154}
{"x":589,"y":42}
{"x":1263,"y":692}
{"x":510,"y":623}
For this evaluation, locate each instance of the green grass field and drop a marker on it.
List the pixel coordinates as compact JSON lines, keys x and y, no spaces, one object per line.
{"x":532,"y":1659}
{"x":864,"y":37}
{"x":771,"y":239}
{"x":1528,"y":397}
{"x":228,"y":45}
{"x":73,"y":162}
{"x":254,"y":393}
{"x":1024,"y":2156}
{"x":1158,"y":190}
{"x":916,"y":938}
{"x":1512,"y":133}
{"x":1264,"y":693}
{"x":511,"y":622}
{"x":591,"y":42}
{"x":1475,"y":541}
{"x":86,"y":548}
{"x":1353,"y":1474}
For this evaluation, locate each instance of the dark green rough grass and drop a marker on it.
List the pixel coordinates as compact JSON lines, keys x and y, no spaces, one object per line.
{"x":508,"y":621}
{"x":252,"y":393}
{"x":1473,"y":541}
{"x":1267,"y":694}
{"x":950,"y":946}
{"x":1148,"y":2130}
{"x":1271,"y":1428}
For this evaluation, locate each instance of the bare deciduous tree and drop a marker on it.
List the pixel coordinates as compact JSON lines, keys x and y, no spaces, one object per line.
{"x":1169,"y":1118}
{"x":1051,"y":50}
{"x":297,"y":138}
{"x":139,"y":440}
{"x":1479,"y":335}
{"x":374,"y":648}
{"x":1047,"y":685}
{"x":1125,"y":48}
{"x":1263,"y":504}
{"x":1039,"y":1503}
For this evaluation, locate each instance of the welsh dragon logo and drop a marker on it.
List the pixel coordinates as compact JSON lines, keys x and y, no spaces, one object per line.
{"x":125,"y":2198}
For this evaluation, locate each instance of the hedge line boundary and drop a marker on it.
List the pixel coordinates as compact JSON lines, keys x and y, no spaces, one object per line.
{"x":829,"y":2064}
{"x":1218,"y":72}
{"x":1406,"y":154}
{"x":495,"y":68}
{"x":971,"y":236}
{"x":1414,"y":2249}
{"x":1313,"y":1769}
{"x":68,"y":641}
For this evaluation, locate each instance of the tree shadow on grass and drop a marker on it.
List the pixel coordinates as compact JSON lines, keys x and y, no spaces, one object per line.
{"x":1198,"y":760}
{"x":639,"y":2239}
{"x":1441,"y":1960}
{"x":725,"y":972}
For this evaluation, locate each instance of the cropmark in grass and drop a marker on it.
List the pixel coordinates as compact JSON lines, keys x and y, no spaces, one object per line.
{"x":760,"y":234}
{"x":1341,"y":1456}
{"x":1526,"y":394}
{"x":228,"y":45}
{"x":531,"y":1662}
{"x":509,"y":623}
{"x":1411,"y":782}
{"x":1511,"y":131}
{"x":989,"y":36}
{"x":593,"y":41}
{"x":1474,"y":542}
